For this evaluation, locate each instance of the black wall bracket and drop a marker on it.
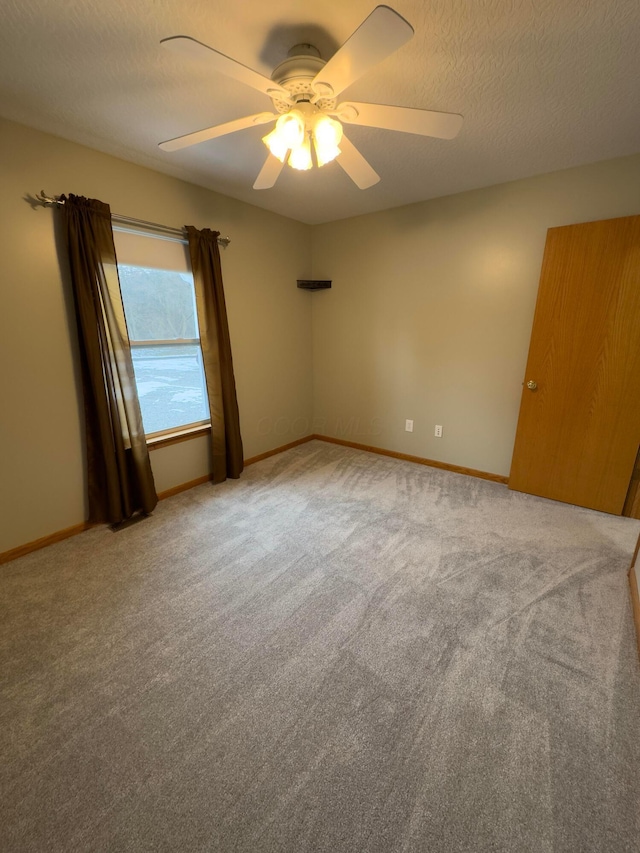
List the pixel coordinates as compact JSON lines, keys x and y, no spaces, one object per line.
{"x":307,"y":284}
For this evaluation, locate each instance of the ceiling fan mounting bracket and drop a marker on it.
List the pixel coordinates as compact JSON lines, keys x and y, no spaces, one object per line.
{"x":303,"y":49}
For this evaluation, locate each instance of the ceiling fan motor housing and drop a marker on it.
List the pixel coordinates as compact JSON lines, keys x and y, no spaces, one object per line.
{"x":296,"y":73}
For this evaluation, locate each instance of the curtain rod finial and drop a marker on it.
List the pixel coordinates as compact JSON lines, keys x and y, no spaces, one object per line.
{"x":47,"y":200}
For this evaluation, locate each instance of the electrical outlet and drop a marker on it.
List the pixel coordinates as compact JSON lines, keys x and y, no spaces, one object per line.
{"x":408,"y":425}
{"x":438,"y":431}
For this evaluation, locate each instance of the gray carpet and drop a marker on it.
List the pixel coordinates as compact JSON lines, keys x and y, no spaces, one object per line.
{"x":339,"y":652}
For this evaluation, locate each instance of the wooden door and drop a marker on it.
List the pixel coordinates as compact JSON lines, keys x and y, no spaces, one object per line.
{"x":579,"y":430}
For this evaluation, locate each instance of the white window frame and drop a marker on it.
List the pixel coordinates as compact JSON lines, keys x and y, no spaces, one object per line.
{"x":193,"y":426}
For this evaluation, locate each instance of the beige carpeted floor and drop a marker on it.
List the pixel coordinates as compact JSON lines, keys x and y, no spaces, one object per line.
{"x":339,"y":652}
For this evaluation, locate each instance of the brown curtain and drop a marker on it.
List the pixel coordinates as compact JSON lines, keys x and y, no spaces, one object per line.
{"x":216,"y":353}
{"x":120,"y":481}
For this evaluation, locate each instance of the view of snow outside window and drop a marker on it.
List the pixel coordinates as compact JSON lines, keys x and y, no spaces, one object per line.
{"x":160,"y":310}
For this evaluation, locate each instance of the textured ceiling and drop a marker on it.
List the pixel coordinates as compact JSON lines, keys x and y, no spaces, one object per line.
{"x":542,"y":85}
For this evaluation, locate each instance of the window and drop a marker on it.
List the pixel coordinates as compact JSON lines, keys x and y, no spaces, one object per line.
{"x":160,"y":309}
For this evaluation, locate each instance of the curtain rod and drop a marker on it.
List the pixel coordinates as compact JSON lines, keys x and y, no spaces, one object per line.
{"x":51,"y":201}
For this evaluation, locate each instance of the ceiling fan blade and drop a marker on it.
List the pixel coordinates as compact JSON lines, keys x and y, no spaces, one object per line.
{"x":218,"y":130}
{"x":377,"y":37}
{"x":404,"y":119}
{"x":193,"y":49}
{"x":269,"y":173}
{"x":354,"y":164}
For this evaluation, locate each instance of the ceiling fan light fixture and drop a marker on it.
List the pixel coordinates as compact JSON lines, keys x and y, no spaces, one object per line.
{"x":300,"y":157}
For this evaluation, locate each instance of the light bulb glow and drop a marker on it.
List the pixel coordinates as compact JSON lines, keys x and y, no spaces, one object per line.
{"x":327,"y":134}
{"x":328,"y":131}
{"x":290,"y":126}
{"x":287,"y":134}
{"x":275,"y":145}
{"x":300,"y":157}
{"x":325,"y":154}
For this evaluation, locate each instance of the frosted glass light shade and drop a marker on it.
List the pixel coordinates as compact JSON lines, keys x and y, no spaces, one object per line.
{"x":327,"y":134}
{"x":325,"y":153}
{"x":328,"y":131}
{"x":276,"y":145}
{"x":291,"y":128}
{"x":288,"y":134}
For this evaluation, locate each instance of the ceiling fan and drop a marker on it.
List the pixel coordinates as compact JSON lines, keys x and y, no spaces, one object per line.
{"x":304,"y":91}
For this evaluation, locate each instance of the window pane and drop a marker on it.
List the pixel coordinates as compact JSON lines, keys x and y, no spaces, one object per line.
{"x":171,"y":385}
{"x":159,"y":304}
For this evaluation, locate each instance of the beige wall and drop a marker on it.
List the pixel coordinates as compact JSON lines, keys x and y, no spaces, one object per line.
{"x":429,"y":318}
{"x":431,"y":308}
{"x":41,"y":460}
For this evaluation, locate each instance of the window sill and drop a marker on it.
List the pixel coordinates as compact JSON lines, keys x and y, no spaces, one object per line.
{"x":177,"y":436}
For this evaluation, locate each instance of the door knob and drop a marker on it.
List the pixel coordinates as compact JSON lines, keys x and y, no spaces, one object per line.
{"x":531,"y":385}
